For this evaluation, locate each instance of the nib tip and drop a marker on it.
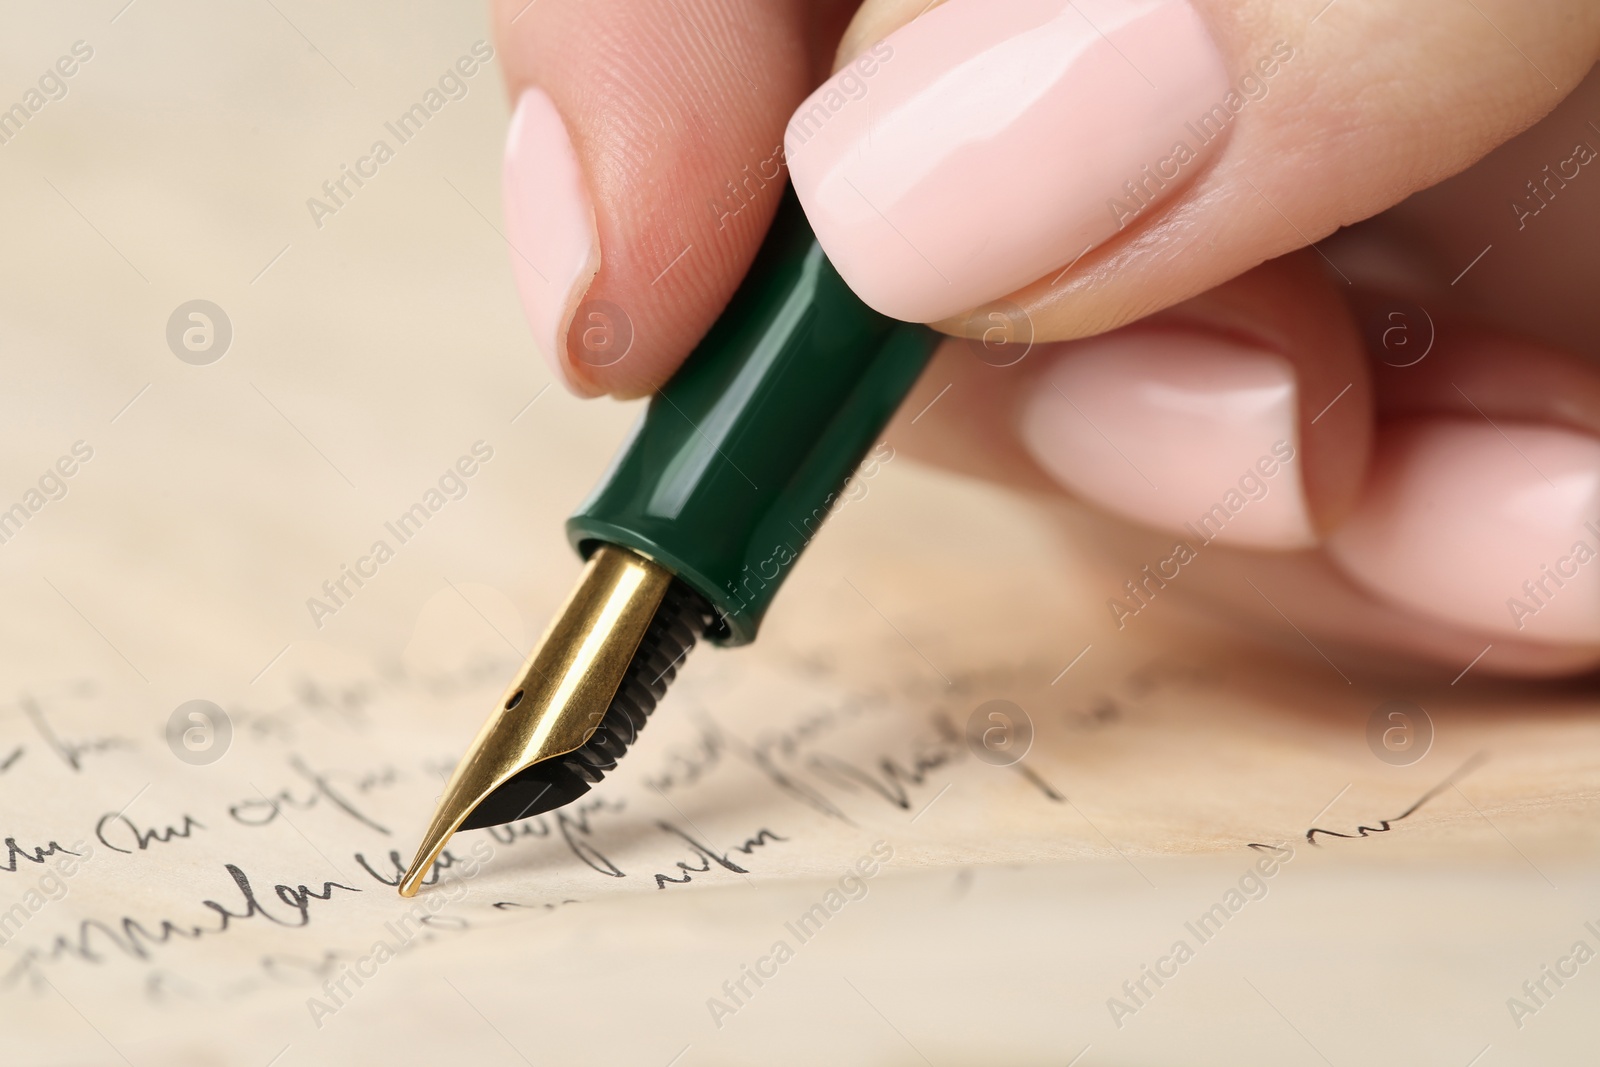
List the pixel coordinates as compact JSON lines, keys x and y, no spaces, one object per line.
{"x":419,"y":868}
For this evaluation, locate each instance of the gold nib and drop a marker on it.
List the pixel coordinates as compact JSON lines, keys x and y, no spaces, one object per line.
{"x":560,"y":695}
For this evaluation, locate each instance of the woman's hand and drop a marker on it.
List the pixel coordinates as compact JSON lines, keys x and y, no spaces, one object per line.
{"x":1387,"y":438}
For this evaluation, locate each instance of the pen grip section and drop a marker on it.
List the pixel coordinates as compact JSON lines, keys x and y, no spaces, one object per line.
{"x":739,"y":459}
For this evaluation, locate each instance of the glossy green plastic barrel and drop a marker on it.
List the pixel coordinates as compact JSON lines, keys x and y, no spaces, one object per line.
{"x":742,"y":455}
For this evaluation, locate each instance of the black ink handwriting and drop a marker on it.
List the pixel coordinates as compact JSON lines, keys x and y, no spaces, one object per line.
{"x":15,"y":851}
{"x":890,"y":778}
{"x":1385,"y":825}
{"x":136,"y":940}
{"x":446,"y":860}
{"x":707,"y":855}
{"x":69,"y":751}
{"x":261,"y":810}
{"x":572,"y":822}
{"x":114,"y":822}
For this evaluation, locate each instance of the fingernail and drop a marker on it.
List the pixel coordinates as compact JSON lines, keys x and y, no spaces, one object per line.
{"x":555,"y":249}
{"x":985,"y":145}
{"x":1183,"y":432}
{"x":1491,"y":527}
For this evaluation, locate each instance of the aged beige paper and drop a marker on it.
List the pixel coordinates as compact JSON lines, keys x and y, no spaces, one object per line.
{"x":816,"y":815}
{"x":805,"y":859}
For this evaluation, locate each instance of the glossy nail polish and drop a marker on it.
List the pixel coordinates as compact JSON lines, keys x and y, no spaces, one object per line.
{"x":1491,"y":527}
{"x":1176,"y":430}
{"x":985,"y":144}
{"x":555,"y":249}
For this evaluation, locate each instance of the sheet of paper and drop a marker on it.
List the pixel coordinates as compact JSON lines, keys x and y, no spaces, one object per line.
{"x":820,"y":814}
{"x":821,"y":850}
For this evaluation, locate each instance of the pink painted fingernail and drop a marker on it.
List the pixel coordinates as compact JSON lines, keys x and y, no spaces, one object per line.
{"x":555,"y":249}
{"x":1495,"y":527}
{"x":1181,"y":431}
{"x":986,"y":144}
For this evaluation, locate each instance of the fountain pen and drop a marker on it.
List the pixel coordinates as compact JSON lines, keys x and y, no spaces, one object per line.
{"x":722,"y":483}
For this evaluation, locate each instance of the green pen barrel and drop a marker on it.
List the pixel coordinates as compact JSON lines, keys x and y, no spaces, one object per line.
{"x":737,"y":461}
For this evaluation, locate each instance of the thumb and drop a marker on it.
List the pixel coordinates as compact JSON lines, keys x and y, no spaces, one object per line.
{"x":643,"y":165}
{"x":1096,"y":160}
